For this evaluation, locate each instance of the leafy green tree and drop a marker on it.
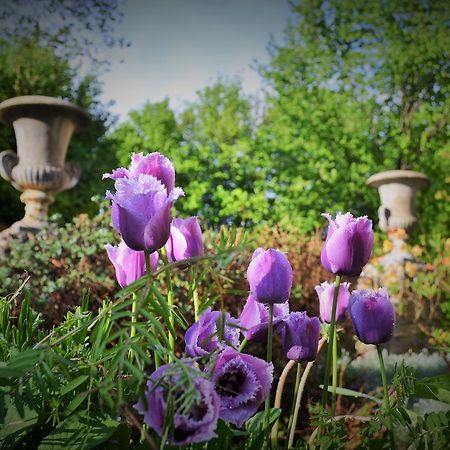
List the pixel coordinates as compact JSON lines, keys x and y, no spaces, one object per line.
{"x":78,"y":30}
{"x":212,"y":147}
{"x":358,"y":87}
{"x":152,"y":128}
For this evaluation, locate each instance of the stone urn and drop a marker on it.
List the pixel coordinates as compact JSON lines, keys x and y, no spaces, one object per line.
{"x":397,"y":189}
{"x":397,"y":217}
{"x":43,"y":127}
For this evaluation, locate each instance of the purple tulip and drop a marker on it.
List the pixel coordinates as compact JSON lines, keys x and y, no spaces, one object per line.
{"x":270,"y":276}
{"x":142,"y":211}
{"x":348,"y":246}
{"x":254,"y":319}
{"x":202,"y":337}
{"x":153,"y":164}
{"x":197,"y":423}
{"x":129,"y":264}
{"x":301,"y":336}
{"x":186,"y":240}
{"x":373,"y":315}
{"x":325,"y":291}
{"x":242,"y":382}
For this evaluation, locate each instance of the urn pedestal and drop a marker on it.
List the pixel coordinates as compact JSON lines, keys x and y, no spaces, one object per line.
{"x":43,"y":127}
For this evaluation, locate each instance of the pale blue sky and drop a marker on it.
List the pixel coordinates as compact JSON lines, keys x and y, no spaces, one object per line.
{"x":178,"y":46}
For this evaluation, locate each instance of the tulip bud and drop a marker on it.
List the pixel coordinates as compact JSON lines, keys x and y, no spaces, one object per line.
{"x":185,"y":241}
{"x":270,"y":276}
{"x":373,"y":315}
{"x":129,"y":264}
{"x":348,"y":245}
{"x":301,"y":336}
{"x":325,"y":291}
{"x":254,"y":319}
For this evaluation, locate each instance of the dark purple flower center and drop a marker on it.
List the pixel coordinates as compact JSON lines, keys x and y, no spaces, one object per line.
{"x":180,"y":434}
{"x":198,"y":411}
{"x":230,"y":383}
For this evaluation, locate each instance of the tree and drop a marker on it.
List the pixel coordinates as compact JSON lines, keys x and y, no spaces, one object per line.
{"x":77,"y":30}
{"x":211,"y":145}
{"x":358,"y":87}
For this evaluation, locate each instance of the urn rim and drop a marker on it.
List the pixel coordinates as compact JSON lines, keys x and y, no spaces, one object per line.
{"x":16,"y":107}
{"x":411,"y":177}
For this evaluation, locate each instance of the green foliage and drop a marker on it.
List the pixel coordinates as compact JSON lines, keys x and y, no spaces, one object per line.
{"x":358,"y":87}
{"x":84,"y":29}
{"x":75,"y":385}
{"x":211,"y":145}
{"x":355,"y":88}
{"x":61,"y":263}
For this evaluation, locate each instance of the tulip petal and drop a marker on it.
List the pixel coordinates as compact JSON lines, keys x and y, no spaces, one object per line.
{"x":157,"y":229}
{"x":132,"y":227}
{"x":156,"y":165}
{"x":340,"y":248}
{"x":373,"y":315}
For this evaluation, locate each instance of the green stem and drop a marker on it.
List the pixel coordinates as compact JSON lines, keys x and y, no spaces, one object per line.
{"x":243,"y":344}
{"x":334,"y":374}
{"x":195,"y":294}
{"x":133,"y":321}
{"x":171,"y":316}
{"x":148,"y":271}
{"x":331,"y":332}
{"x":297,"y":382}
{"x":170,"y":304}
{"x":269,"y":359}
{"x":386,"y":395}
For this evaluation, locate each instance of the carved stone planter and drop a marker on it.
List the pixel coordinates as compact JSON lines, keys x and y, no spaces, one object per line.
{"x":397,"y":189}
{"x":397,"y":216}
{"x":43,"y":127}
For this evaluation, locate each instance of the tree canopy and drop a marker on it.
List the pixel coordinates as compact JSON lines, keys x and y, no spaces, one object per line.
{"x":354,"y":88}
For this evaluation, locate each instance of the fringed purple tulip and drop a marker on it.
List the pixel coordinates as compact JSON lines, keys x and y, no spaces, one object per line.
{"x":270,"y":276}
{"x":348,"y":245}
{"x":301,"y":336}
{"x":186,"y":240}
{"x":325,"y":291}
{"x":129,"y":264}
{"x":196,"y":424}
{"x":202,"y":337}
{"x":254,"y":319}
{"x":153,"y":164}
{"x":143,"y":211}
{"x":243,"y":383}
{"x":373,"y":315}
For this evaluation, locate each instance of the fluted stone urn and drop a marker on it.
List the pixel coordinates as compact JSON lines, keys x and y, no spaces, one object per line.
{"x":397,"y":217}
{"x":43,"y":127}
{"x":397,"y":189}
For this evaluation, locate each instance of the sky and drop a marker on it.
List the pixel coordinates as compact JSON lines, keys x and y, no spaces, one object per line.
{"x":179,"y":46}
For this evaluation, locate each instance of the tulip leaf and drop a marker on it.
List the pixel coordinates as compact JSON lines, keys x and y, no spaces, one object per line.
{"x":350,"y":393}
{"x":73,"y":384}
{"x":436,"y":388}
{"x":257,"y":429}
{"x":79,"y":431}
